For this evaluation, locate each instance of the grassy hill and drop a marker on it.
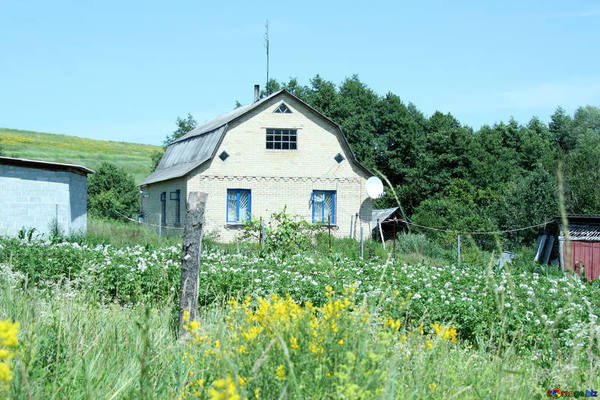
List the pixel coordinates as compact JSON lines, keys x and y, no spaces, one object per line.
{"x":134,"y":157}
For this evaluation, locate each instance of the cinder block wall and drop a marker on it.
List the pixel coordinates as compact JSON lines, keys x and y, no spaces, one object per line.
{"x":33,"y":198}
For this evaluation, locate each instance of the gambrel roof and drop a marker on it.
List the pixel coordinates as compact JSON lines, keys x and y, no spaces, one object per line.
{"x":200,"y":145}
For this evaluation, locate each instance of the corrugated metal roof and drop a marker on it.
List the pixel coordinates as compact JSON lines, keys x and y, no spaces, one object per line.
{"x":183,"y":156}
{"x":589,"y":231}
{"x":206,"y":138}
{"x":581,"y":226}
{"x":382,"y":214}
{"x":23,"y":162}
{"x":225,"y":118}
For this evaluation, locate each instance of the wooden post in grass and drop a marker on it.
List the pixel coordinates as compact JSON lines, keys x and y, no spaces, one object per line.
{"x":190,"y":257}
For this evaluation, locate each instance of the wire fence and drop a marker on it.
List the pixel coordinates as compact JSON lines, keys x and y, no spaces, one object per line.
{"x":154,"y":222}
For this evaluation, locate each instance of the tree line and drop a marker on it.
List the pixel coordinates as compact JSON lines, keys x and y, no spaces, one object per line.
{"x":446,"y":174}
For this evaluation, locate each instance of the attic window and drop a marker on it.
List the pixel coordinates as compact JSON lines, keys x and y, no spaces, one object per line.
{"x":282,"y":109}
{"x":223,"y":156}
{"x":282,"y":139}
{"x":339,"y":158}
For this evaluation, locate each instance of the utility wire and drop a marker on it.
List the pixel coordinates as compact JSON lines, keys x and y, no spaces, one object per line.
{"x":465,"y":232}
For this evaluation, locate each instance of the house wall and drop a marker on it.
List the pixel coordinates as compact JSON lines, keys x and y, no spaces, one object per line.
{"x":272,"y":194}
{"x":151,"y":205}
{"x":279,"y":178}
{"x":33,"y":198}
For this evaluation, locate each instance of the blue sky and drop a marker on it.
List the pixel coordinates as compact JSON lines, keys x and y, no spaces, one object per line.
{"x":124,"y":71}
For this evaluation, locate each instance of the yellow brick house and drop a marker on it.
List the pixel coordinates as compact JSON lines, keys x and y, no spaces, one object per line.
{"x":253,"y":161}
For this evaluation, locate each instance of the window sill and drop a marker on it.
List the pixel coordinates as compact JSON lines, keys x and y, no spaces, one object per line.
{"x":234,"y":225}
{"x":332,"y":226}
{"x":279,"y":150}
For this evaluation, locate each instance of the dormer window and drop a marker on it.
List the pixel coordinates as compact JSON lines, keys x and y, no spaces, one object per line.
{"x":282,"y":109}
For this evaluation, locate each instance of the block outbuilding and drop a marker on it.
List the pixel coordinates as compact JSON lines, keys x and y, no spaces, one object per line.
{"x":41,"y":194}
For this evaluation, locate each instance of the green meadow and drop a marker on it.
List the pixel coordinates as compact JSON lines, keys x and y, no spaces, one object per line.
{"x":134,"y":157}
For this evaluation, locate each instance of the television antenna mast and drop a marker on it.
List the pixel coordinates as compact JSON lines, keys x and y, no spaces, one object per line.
{"x":267,"y":45}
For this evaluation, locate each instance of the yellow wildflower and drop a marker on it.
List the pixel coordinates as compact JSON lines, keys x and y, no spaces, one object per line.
{"x":294,"y":343}
{"x":5,"y":373}
{"x":280,"y":373}
{"x":9,"y":333}
{"x":432,"y":387}
{"x":233,"y":303}
{"x":341,"y":342}
{"x":223,"y":389}
{"x":252,"y":332}
{"x":445,"y":332}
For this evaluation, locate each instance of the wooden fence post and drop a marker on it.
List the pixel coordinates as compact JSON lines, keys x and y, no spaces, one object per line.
{"x":190,"y":256}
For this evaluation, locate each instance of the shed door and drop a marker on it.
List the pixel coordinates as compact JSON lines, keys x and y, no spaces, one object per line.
{"x":588,"y":255}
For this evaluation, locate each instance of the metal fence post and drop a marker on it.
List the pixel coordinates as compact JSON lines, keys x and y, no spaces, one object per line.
{"x":381,"y":233}
{"x":394,"y":252}
{"x":362,"y":244}
{"x":329,"y":229}
{"x":458,"y":249}
{"x":159,"y":227}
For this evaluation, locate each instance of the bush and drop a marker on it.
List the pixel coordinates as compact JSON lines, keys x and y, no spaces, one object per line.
{"x":111,"y":191}
{"x":418,"y":243}
{"x":450,"y":214}
{"x":283,"y":233}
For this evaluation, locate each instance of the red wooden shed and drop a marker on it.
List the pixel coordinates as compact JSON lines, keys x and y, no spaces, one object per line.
{"x":584,"y":245}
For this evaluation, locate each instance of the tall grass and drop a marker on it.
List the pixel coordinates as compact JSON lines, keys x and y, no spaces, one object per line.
{"x":119,"y":233}
{"x":133,"y":157}
{"x":71,"y":349}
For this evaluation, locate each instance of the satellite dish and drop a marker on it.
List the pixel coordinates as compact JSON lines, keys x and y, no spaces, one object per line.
{"x":374,"y":187}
